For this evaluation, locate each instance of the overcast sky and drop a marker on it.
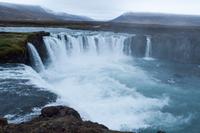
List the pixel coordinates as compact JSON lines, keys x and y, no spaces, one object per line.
{"x":108,"y":9}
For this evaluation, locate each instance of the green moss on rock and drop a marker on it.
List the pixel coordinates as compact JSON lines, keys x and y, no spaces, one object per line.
{"x":13,"y":46}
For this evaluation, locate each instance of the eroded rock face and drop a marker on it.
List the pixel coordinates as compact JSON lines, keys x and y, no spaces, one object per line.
{"x":182,"y":48}
{"x":138,"y":45}
{"x":58,"y":119}
{"x":37,"y":41}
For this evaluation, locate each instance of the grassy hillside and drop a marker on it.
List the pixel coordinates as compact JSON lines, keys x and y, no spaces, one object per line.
{"x":13,"y":43}
{"x":18,"y":12}
{"x":13,"y":46}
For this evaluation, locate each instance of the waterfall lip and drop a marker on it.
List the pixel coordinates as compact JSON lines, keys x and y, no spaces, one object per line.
{"x":55,"y":30}
{"x":89,"y":32}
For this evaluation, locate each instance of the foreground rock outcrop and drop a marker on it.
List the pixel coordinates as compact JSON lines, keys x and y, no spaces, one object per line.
{"x":58,"y":119}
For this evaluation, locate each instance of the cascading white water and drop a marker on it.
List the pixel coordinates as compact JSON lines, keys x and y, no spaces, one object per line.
{"x":72,"y":45}
{"x":90,"y":70}
{"x":148,"y":51}
{"x":36,"y":61}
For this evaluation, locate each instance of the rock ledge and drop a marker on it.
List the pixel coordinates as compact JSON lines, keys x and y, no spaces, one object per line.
{"x":55,"y":119}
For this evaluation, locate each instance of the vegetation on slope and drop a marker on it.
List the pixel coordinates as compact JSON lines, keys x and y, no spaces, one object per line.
{"x":13,"y":46}
{"x":12,"y":43}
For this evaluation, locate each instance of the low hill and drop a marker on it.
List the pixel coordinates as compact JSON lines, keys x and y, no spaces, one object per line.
{"x":17,"y":12}
{"x":158,"y":19}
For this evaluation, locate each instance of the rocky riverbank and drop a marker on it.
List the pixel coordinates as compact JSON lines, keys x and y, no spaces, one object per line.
{"x":58,"y":119}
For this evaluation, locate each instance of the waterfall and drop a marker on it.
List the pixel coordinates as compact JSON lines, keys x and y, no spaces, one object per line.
{"x":61,"y":46}
{"x":36,"y":61}
{"x":148,"y":47}
{"x":88,"y":70}
{"x":148,"y":51}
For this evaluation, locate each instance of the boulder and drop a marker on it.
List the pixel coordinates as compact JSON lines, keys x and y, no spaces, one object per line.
{"x":59,"y":111}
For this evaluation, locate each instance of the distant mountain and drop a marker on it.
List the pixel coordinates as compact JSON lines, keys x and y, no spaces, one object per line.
{"x":158,"y":19}
{"x":66,"y":16}
{"x":13,"y":12}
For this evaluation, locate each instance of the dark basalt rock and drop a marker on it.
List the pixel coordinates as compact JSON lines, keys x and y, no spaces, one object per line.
{"x":138,"y":46}
{"x":59,"y":111}
{"x":161,"y":132}
{"x":59,"y":119}
{"x":184,"y":48}
{"x":37,"y":40}
{"x":3,"y":122}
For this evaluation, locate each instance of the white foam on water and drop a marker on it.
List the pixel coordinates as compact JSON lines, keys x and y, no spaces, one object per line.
{"x":149,"y":58}
{"x":23,"y":72}
{"x":85,"y":83}
{"x":12,"y":118}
